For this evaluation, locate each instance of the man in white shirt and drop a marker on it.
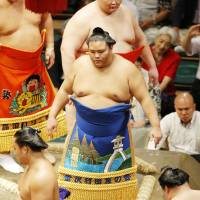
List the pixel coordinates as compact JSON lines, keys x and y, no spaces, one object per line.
{"x":182,"y":128}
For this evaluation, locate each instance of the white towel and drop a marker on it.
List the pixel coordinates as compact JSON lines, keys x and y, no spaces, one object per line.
{"x":9,"y":164}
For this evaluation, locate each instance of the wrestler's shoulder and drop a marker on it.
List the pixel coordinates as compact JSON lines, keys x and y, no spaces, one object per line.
{"x":82,"y":59}
{"x":84,"y":13}
{"x":125,"y":10}
{"x":43,"y":176}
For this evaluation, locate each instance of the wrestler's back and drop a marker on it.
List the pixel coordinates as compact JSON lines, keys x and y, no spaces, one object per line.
{"x":118,"y":24}
{"x":104,"y":88}
{"x":45,"y":171}
{"x":188,"y":194}
{"x":19,"y":28}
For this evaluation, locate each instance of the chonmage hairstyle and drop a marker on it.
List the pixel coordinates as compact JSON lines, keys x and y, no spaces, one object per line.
{"x":28,"y":136}
{"x":172,"y":177}
{"x":98,"y":34}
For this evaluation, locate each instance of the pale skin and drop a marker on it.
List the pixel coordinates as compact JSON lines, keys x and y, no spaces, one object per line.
{"x":192,"y":32}
{"x":21,"y":28}
{"x":39,"y":180}
{"x":109,"y":15}
{"x":185,"y":106}
{"x":183,"y":192}
{"x":108,"y":85}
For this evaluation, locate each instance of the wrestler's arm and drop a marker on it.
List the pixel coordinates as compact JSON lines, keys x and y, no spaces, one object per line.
{"x":140,"y":40}
{"x":139,"y":90}
{"x":47,"y":23}
{"x":75,"y":34}
{"x":61,"y":99}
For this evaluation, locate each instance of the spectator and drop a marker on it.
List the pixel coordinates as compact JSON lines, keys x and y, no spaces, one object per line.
{"x":185,"y":14}
{"x":167,"y":62}
{"x":175,"y":184}
{"x":153,"y":13}
{"x":181,"y":128}
{"x":192,"y":46}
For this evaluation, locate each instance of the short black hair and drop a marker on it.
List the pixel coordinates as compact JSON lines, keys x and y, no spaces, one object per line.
{"x":98,"y":34}
{"x":33,"y":77}
{"x":172,"y":177}
{"x":28,"y":136}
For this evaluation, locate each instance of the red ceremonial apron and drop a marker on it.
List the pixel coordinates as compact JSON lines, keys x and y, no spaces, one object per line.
{"x":25,"y":87}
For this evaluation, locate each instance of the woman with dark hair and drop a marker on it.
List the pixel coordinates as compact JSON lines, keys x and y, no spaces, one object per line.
{"x":175,"y":184}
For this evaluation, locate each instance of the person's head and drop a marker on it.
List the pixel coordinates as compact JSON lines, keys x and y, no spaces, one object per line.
{"x":26,"y":142}
{"x":100,"y":45}
{"x":184,"y":106}
{"x":32,"y":83}
{"x":164,"y":40}
{"x":109,"y":6}
{"x":171,"y":179}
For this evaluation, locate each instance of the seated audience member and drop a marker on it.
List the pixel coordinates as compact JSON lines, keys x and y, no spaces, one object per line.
{"x":152,"y":15}
{"x":167,"y":62}
{"x":181,"y":128}
{"x":39,"y":180}
{"x":185,"y":14}
{"x":175,"y":184}
{"x":192,"y":46}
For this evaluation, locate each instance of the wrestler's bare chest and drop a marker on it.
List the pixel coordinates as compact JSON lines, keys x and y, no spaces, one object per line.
{"x":10,"y":16}
{"x":24,"y":186}
{"x":120,"y":29}
{"x":111,"y":85}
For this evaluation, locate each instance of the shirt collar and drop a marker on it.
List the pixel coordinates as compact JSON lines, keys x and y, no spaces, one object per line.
{"x":188,"y":125}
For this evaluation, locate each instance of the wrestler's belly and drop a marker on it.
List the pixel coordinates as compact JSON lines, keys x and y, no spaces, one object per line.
{"x":26,"y":39}
{"x":96,"y":101}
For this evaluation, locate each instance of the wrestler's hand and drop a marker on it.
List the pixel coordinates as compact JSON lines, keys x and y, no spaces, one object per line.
{"x":51,"y":126}
{"x":156,"y":133}
{"x":49,"y":57}
{"x":153,"y":76}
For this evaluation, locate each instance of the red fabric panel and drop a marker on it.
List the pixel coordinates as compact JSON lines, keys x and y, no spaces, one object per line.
{"x":132,"y":55}
{"x":42,"y":6}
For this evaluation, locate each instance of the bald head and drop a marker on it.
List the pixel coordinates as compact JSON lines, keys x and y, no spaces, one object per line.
{"x":184,"y":106}
{"x":185,"y":97}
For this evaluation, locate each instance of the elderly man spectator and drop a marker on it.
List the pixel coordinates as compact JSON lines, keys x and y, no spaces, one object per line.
{"x":181,"y":128}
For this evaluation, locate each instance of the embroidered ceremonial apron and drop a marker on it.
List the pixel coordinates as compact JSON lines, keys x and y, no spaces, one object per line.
{"x":26,"y":92}
{"x":98,"y":162}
